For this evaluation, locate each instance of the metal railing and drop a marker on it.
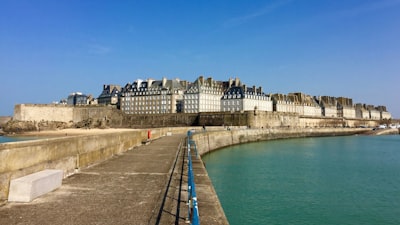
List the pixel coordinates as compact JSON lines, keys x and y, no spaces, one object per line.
{"x":193,"y":210}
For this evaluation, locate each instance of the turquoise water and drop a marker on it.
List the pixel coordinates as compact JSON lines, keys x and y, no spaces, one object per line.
{"x":4,"y":139}
{"x":335,"y":180}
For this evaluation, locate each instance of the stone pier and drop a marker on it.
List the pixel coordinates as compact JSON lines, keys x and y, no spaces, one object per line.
{"x":120,"y":181}
{"x":145,"y":185}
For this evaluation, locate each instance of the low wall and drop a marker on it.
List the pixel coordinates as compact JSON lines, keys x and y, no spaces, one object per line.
{"x":209,"y":141}
{"x":69,"y":154}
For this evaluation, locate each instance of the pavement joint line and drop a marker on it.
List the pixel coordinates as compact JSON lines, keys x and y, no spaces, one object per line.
{"x":117,"y":173}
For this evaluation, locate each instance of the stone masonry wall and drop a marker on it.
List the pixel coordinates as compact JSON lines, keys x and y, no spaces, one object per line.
{"x":209,"y":141}
{"x":104,"y":116}
{"x":37,"y":112}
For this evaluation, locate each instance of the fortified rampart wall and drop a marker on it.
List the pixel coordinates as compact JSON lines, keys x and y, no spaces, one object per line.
{"x":37,"y":112}
{"x":61,"y":113}
{"x":309,"y":122}
{"x":111,"y":117}
{"x":209,"y":141}
{"x":67,"y":153}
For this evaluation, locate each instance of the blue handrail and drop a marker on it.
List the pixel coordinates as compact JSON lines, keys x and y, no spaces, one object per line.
{"x":193,"y":217}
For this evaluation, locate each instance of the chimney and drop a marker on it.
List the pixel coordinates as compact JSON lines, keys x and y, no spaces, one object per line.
{"x":149,"y":82}
{"x":139,"y":82}
{"x":164,"y":81}
{"x":254,"y":89}
{"x":237,"y":82}
{"x":209,"y":81}
{"x":230,"y":82}
{"x":245,"y":88}
{"x":201,"y":79}
{"x":260,"y":90}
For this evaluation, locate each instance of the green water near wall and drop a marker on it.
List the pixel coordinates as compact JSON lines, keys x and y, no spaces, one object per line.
{"x":4,"y":139}
{"x":335,"y":180}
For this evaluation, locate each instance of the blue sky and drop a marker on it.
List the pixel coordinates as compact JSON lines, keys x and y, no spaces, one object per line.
{"x":348,"y":48}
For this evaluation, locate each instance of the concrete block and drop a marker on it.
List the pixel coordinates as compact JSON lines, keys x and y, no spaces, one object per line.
{"x":27,"y":188}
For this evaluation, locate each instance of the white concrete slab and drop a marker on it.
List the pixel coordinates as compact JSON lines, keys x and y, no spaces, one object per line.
{"x":27,"y":188}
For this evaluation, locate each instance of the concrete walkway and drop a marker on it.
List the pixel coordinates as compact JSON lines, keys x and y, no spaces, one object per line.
{"x":127,"y":189}
{"x":145,"y":185}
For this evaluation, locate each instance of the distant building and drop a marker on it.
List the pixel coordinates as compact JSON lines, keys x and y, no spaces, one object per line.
{"x":346,"y":108}
{"x":208,"y":95}
{"x":362,"y":112}
{"x":61,"y":102}
{"x":373,"y":112}
{"x":282,"y":103}
{"x":153,"y":97}
{"x":204,"y":95}
{"x":328,"y":106}
{"x":77,"y":98}
{"x":92,"y":100}
{"x":241,"y":98}
{"x":300,"y":103}
{"x":110,"y":95}
{"x":384,"y":113}
{"x":308,"y":104}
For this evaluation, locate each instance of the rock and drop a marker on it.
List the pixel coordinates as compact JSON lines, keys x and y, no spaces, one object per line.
{"x":15,"y":126}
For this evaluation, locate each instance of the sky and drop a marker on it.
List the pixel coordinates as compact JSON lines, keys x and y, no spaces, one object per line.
{"x":340,"y":48}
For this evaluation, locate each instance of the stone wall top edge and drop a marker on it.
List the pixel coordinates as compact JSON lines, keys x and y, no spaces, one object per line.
{"x":45,"y":105}
{"x":292,"y":133}
{"x":55,"y":139}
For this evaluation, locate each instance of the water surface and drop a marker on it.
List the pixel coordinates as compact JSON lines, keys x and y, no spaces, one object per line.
{"x":4,"y":139}
{"x":335,"y":180}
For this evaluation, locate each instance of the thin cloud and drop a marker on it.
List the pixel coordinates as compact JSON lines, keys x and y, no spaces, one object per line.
{"x":236,"y":21}
{"x":99,"y":49}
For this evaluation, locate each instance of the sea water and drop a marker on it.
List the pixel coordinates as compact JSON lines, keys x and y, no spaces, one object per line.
{"x":4,"y":139}
{"x":330,"y":180}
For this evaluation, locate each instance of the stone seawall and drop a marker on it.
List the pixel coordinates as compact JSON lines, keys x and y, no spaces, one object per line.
{"x":212,"y":140}
{"x":68,"y":153}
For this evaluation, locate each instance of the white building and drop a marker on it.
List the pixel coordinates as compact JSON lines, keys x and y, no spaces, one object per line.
{"x":204,"y":95}
{"x":328,"y":106}
{"x":300,"y":103}
{"x":362,"y":112}
{"x":241,"y":98}
{"x":346,"y":108}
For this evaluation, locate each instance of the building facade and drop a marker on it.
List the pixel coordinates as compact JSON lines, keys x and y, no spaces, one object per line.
{"x":300,"y":103}
{"x":385,"y":115}
{"x":152,"y":96}
{"x":242,"y":98}
{"x":77,"y":98}
{"x":204,"y":95}
{"x":328,"y":106}
{"x":362,"y":111}
{"x":110,"y":95}
{"x":208,"y":95}
{"x":346,"y":108}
